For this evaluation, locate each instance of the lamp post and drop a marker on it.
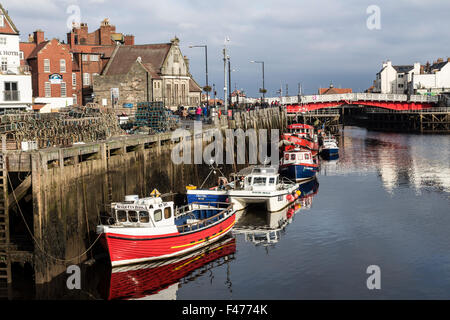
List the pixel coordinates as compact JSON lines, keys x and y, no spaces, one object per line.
{"x":206,"y":68}
{"x":263,"y":88}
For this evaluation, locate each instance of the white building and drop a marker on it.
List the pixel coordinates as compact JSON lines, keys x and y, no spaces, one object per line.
{"x":395,"y":79}
{"x":15,"y":81}
{"x":434,"y":79}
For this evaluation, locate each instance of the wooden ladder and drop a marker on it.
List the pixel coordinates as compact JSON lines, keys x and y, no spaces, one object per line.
{"x":5,"y":263}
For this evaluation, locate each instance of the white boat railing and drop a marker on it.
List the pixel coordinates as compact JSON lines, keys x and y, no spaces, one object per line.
{"x":224,"y":212}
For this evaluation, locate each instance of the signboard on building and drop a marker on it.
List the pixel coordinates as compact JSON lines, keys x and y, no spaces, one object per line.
{"x":55,"y":78}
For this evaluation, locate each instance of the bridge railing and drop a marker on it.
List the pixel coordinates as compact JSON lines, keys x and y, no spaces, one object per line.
{"x":428,"y":110}
{"x":350,"y":97}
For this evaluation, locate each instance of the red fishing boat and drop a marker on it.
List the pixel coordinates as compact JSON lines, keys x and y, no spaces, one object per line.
{"x":150,"y":229}
{"x":160,"y":279}
{"x":301,"y":135}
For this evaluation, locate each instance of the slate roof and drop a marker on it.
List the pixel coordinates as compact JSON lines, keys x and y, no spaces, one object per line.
{"x":124,"y":57}
{"x":403,"y":69}
{"x":438,"y":65}
{"x":193,"y":86}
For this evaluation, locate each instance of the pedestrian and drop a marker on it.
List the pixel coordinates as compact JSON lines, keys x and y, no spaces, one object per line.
{"x":198,"y":113}
{"x":205,"y":112}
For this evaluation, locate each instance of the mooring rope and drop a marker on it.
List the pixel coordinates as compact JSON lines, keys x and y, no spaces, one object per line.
{"x":35,"y":240}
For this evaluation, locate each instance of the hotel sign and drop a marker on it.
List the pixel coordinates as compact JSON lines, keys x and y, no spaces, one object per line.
{"x":9,"y":53}
{"x":55,"y":78}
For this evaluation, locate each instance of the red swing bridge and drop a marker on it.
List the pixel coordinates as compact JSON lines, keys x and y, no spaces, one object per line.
{"x":396,"y":102}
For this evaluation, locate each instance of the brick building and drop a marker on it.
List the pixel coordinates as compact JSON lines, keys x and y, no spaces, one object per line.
{"x":152,"y":72}
{"x":51,"y":65}
{"x":85,"y":55}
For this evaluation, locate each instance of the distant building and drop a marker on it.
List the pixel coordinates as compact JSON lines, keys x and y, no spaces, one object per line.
{"x":395,"y":79}
{"x":56,"y":83}
{"x":15,"y":78}
{"x":151,"y":72}
{"x":332,"y":90}
{"x":51,"y":65}
{"x":432,"y":79}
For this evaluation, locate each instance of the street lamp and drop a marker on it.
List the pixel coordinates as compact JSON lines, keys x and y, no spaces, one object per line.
{"x":263,"y":88}
{"x":206,"y":65}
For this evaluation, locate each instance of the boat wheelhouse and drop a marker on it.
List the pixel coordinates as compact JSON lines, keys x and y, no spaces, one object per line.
{"x":150,"y":229}
{"x":298,"y":164}
{"x":301,"y":136}
{"x":264,"y":186}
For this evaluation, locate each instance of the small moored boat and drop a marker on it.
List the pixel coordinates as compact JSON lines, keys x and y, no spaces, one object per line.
{"x":298,"y":165}
{"x":150,"y":229}
{"x":265,"y":186}
{"x":329,"y":148}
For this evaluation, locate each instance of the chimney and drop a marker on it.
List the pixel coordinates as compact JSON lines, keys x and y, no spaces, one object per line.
{"x":448,"y":59}
{"x":440,"y":60}
{"x":129,"y":40}
{"x":38,"y":36}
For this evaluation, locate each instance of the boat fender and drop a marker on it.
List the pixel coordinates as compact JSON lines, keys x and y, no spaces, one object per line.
{"x":298,"y":192}
{"x":289,"y":197}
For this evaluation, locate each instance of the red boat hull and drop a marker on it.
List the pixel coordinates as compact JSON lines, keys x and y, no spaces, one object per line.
{"x":150,"y":279}
{"x":127,"y":249}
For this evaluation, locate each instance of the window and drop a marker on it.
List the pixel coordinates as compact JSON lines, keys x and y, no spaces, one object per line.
{"x":271,"y":180}
{"x":400,"y":85}
{"x":293,"y":156}
{"x":286,"y":156}
{"x":261,"y":181}
{"x":48,"y":90}
{"x":2,"y":40}
{"x":133,"y":216}
{"x":85,"y":57}
{"x":11,"y":92}
{"x":86,"y":79}
{"x":144,"y":217}
{"x":121,"y":216}
{"x":4,"y":64}
{"x":93,"y":57}
{"x":74,"y":79}
{"x":157,"y":215}
{"x":21,"y":55}
{"x":46,"y":65}
{"x":74,"y":99}
{"x":175,"y":57}
{"x":63,"y":90}
{"x":306,"y":157}
{"x":167,"y":212}
{"x":400,"y":75}
{"x":62,"y":66}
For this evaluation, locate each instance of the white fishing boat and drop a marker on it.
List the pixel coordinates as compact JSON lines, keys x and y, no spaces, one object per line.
{"x":263,"y":186}
{"x":329,"y":148}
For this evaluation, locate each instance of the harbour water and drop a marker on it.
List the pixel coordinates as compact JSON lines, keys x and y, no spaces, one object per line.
{"x":384,"y":202}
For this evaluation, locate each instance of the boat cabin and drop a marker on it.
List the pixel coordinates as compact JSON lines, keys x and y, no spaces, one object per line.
{"x":146,"y":212}
{"x":262,"y":178}
{"x":300,"y":129}
{"x":298,"y":156}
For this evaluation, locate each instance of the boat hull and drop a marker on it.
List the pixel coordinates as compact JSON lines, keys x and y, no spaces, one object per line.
{"x":276,"y":202}
{"x":129,"y":248}
{"x":330,"y":153}
{"x":206,"y":196}
{"x":298,"y":172}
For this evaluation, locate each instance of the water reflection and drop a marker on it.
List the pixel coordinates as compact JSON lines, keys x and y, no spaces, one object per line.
{"x":266,"y":228}
{"x":161,"y":280}
{"x":420,"y":161}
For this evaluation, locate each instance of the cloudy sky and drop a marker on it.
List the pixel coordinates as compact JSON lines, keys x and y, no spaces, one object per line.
{"x":308,"y":42}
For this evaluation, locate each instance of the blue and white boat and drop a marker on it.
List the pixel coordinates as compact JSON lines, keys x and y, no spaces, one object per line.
{"x":330,"y":149}
{"x":298,"y":165}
